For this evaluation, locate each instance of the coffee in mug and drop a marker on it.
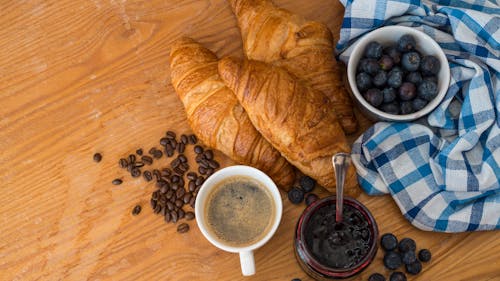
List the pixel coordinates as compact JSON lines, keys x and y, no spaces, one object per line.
{"x":239,"y":211}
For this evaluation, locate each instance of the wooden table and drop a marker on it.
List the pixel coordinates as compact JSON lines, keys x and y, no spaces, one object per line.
{"x":79,"y":77}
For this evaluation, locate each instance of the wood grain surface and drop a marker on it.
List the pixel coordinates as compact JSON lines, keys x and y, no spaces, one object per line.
{"x":79,"y":77}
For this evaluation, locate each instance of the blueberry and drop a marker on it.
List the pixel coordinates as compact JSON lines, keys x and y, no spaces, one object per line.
{"x":407,"y":91}
{"x":409,"y":257}
{"x":424,"y":255}
{"x":406,"y":43}
{"x":295,"y":195}
{"x":391,"y":108}
{"x":410,"y":61}
{"x":369,"y":66}
{"x":389,"y":94}
{"x":406,"y":245}
{"x":406,"y":107}
{"x":376,"y":277}
{"x":414,"y":77}
{"x":363,"y":81}
{"x":373,"y":50}
{"x":427,"y":90}
{"x":388,"y":241}
{"x":418,"y":104}
{"x":414,"y":268}
{"x":392,"y":260}
{"x":380,"y":79}
{"x":307,"y":183}
{"x":374,"y":97}
{"x":395,"y":78}
{"x":385,"y":62}
{"x":429,"y":65}
{"x":397,"y":276}
{"x":393,"y":53}
{"x":311,"y":198}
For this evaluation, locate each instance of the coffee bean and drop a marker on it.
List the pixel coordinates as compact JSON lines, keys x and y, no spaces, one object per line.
{"x":191,"y":185}
{"x":183,"y":228}
{"x":164,"y":211}
{"x":157,"y":209}
{"x":184,"y":139}
{"x":152,"y":150}
{"x":213,"y":164}
{"x":179,"y":203}
{"x":160,"y":183}
{"x":181,"y":213}
{"x":209,"y":154}
{"x":139,"y":151}
{"x":130,"y":167}
{"x":147,"y":176}
{"x":171,"y":135}
{"x":168,"y":217}
{"x":147,"y":160}
{"x":189,"y":216}
{"x":137,"y":209}
{"x":180,"y":192}
{"x":210,"y":171}
{"x":202,"y":170}
{"x":157,"y":174}
{"x":169,"y":151}
{"x":139,"y":164}
{"x":169,"y":193}
{"x":173,"y":143}
{"x":198,"y":149}
{"x":157,"y":154}
{"x":175,"y":178}
{"x":155,"y":195}
{"x":117,"y":181}
{"x":181,"y":147}
{"x":204,"y":164}
{"x":131,"y":158}
{"x":193,"y":139}
{"x":174,"y":216}
{"x":175,"y":163}
{"x":175,"y":186}
{"x":97,"y":157}
{"x":166,"y":172}
{"x":164,"y":141}
{"x":191,"y":176}
{"x":187,"y":197}
{"x":162,"y":200}
{"x":153,"y":203}
{"x":182,"y":158}
{"x":163,"y":189}
{"x":170,"y":206}
{"x":123,"y":163}
{"x":192,"y":202}
{"x":199,"y":181}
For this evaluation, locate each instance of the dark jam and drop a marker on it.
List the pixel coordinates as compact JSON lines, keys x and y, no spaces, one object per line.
{"x":338,"y":245}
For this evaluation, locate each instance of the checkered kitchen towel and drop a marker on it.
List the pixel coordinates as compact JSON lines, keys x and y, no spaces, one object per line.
{"x":444,"y":174}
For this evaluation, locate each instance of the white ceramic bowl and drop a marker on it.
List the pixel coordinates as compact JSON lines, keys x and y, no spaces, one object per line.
{"x":386,"y":36}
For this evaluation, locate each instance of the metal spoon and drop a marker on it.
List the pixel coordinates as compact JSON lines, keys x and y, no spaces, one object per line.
{"x":341,"y":163}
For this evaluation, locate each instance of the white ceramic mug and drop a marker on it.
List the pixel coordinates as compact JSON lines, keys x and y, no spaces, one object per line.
{"x":246,"y":253}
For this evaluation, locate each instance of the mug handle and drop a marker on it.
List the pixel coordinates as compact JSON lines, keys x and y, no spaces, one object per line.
{"x":247,"y":263}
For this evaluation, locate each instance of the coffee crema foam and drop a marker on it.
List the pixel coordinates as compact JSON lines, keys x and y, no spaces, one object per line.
{"x":239,"y":211}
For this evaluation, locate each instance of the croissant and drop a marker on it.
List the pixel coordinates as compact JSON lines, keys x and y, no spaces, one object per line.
{"x":215,"y":115}
{"x":304,"y":48}
{"x":293,"y":117}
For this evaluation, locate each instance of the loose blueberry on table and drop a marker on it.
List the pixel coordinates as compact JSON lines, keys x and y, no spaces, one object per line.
{"x":397,"y":79}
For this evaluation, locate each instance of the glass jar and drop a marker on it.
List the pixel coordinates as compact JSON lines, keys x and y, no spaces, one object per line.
{"x":339,"y":238}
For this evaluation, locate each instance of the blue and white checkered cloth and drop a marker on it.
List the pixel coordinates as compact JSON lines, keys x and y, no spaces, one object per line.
{"x":443,"y":172}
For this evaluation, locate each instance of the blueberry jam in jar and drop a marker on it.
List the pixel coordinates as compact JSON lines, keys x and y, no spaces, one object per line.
{"x":327,"y":249}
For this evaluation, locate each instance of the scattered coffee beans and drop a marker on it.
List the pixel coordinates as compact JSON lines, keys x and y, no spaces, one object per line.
{"x":97,"y":157}
{"x":183,"y":228}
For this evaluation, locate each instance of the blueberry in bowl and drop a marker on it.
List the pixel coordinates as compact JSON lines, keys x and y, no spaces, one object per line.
{"x":397,"y":73}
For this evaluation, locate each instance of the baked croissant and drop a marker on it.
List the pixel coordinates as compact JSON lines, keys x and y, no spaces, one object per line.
{"x":215,"y":115}
{"x":304,"y":48}
{"x":293,"y":117}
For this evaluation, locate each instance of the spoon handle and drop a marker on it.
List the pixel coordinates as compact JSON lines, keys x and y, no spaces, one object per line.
{"x":341,"y":163}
